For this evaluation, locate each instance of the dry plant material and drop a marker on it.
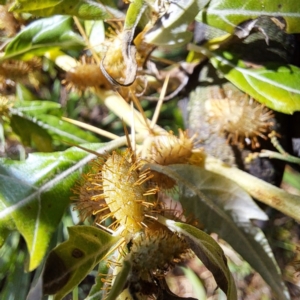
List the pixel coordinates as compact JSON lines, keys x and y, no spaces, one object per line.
{"x":123,"y":61}
{"x":19,"y":70}
{"x":157,"y":250}
{"x":242,"y":120}
{"x":167,"y":149}
{"x":85,"y":75}
{"x":8,"y":23}
{"x":5,"y":105}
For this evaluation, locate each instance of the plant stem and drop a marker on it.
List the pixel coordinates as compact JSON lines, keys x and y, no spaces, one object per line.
{"x":115,"y":103}
{"x":265,"y":192}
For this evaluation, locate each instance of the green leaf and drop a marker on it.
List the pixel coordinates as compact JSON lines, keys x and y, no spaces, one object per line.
{"x":172,"y":28}
{"x":95,"y":30}
{"x":64,"y":131}
{"x":37,"y":107}
{"x":15,"y":283}
{"x":23,"y":93}
{"x":202,"y":195}
{"x":8,"y":253}
{"x":35,"y":193}
{"x":45,"y":115}
{"x":227,"y":14}
{"x":70,"y":262}
{"x":275,"y":85}
{"x":43,"y":126}
{"x":209,"y":252}
{"x":84,"y":9}
{"x":261,"y":190}
{"x":41,"y":36}
{"x":31,"y":133}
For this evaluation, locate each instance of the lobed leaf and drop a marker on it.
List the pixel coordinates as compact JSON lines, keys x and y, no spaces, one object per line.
{"x":228,"y":14}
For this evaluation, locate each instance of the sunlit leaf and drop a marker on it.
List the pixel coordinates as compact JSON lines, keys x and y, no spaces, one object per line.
{"x":43,"y":35}
{"x":70,"y":262}
{"x":172,"y":28}
{"x":274,"y":84}
{"x":261,"y":190}
{"x":84,"y":9}
{"x":227,"y":14}
{"x":95,"y":30}
{"x":210,"y":253}
{"x":199,"y":199}
{"x":32,"y":120}
{"x":64,"y":131}
{"x":23,"y":93}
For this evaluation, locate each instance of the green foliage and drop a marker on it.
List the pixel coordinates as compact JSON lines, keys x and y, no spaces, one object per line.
{"x":210,"y":253}
{"x":70,"y":262}
{"x":44,"y":182}
{"x":89,"y":10}
{"x":43,"y":35}
{"x":209,"y":197}
{"x":275,"y":85}
{"x":39,"y":123}
{"x":227,"y":14}
{"x":35,"y":192}
{"x":172,"y":29}
{"x":12,"y":263}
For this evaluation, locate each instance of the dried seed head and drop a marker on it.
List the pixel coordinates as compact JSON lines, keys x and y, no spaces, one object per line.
{"x":240,"y":119}
{"x":157,"y":250}
{"x":122,"y":64}
{"x":87,"y":74}
{"x":8,"y":23}
{"x":167,"y":149}
{"x":18,"y":70}
{"x":5,"y":105}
